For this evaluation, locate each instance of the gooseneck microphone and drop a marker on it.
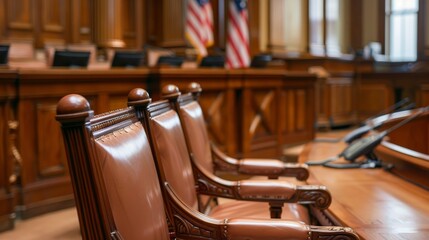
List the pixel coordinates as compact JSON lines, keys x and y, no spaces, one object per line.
{"x":369,"y":124}
{"x":365,"y":146}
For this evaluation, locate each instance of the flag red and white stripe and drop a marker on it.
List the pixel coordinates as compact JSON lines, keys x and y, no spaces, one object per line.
{"x":199,"y":25}
{"x":237,"y":43}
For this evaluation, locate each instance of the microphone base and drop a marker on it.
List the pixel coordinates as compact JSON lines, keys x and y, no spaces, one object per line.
{"x":367,"y":164}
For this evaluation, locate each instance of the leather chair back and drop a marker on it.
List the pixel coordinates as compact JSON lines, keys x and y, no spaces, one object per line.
{"x":195,"y":127}
{"x":113,"y":173}
{"x":172,"y":153}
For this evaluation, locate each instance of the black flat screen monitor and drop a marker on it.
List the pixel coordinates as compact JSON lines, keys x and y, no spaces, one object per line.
{"x":172,"y":61}
{"x":71,"y":59}
{"x":128,"y":59}
{"x":4,"y":51}
{"x":213,"y":61}
{"x":260,"y":61}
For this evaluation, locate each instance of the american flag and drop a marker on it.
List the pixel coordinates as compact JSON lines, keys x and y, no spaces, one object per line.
{"x":199,"y":25}
{"x":237,"y":43}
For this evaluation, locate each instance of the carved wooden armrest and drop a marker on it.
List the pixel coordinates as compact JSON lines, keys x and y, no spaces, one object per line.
{"x":285,"y":192}
{"x":266,"y":167}
{"x":265,"y":229}
{"x":276,"y":192}
{"x":189,"y":223}
{"x":273,"y":168}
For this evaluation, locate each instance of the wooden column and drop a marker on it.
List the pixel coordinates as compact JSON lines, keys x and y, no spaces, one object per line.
{"x":107,"y":23}
{"x":7,"y":96}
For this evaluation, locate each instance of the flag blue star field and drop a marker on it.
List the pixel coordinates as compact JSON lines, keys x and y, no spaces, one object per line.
{"x":199,"y":25}
{"x":237,"y":42}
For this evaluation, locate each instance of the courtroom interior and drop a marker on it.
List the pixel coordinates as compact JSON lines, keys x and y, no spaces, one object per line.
{"x":214,"y":119}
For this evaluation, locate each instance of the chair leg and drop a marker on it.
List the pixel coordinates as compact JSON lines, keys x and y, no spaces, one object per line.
{"x":276,"y":209}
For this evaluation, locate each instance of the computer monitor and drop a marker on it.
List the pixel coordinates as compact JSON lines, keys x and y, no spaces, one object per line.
{"x":4,"y":52}
{"x":72,"y":59}
{"x":213,"y":61}
{"x":128,"y":59}
{"x":172,"y":61}
{"x":260,"y":61}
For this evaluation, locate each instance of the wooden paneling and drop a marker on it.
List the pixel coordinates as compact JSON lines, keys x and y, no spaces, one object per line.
{"x":7,"y":96}
{"x":252,"y":112}
{"x":423,"y":95}
{"x":45,"y":183}
{"x":254,"y":27}
{"x":54,"y":22}
{"x":381,"y":89}
{"x":297,"y":108}
{"x":342,"y":100}
{"x":81,"y":21}
{"x":336,"y":100}
{"x":173,"y":13}
{"x":374,"y":98}
{"x":42,"y":21}
{"x":166,"y":22}
{"x":132,"y":23}
{"x":217,"y":101}
{"x":259,"y":111}
{"x":19,"y":19}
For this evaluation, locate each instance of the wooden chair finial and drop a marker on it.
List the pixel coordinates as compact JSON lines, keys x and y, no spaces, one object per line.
{"x":138,"y":97}
{"x":72,"y":108}
{"x":194,"y":87}
{"x":170,"y":92}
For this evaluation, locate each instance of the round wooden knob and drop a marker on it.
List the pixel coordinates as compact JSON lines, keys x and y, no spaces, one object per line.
{"x":170,"y":92}
{"x":194,"y":88}
{"x":138,"y":97}
{"x":72,"y":103}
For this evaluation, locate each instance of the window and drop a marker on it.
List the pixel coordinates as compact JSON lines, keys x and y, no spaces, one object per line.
{"x":325,"y":30}
{"x":333,"y":27}
{"x":401,"y":29}
{"x":316,"y":15}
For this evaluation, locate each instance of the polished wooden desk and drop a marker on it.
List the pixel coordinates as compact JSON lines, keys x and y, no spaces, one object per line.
{"x":374,"y":202}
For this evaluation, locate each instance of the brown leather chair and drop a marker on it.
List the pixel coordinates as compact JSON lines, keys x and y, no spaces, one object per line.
{"x":189,"y":180}
{"x":212,"y":158}
{"x":118,"y":194}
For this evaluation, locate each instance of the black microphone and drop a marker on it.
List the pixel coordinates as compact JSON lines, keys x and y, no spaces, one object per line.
{"x":364,"y":146}
{"x":369,"y":123}
{"x":372,"y":125}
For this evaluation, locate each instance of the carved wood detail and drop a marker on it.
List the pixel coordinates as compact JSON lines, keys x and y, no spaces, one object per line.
{"x":185,"y":227}
{"x":320,"y":198}
{"x":263,"y":117}
{"x":209,"y":187}
{"x":213,"y":106}
{"x":326,"y":233}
